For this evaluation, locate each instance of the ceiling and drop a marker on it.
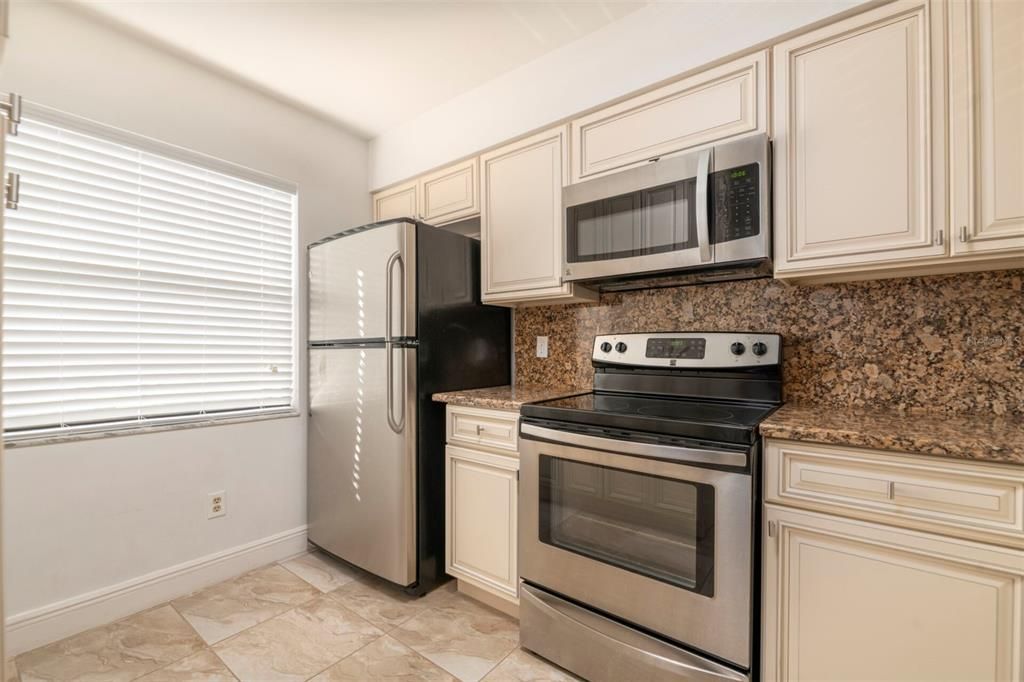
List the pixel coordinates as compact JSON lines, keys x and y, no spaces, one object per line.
{"x":366,"y":65}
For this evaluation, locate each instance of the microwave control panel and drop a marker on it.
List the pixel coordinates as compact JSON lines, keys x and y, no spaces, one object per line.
{"x":735,"y":203}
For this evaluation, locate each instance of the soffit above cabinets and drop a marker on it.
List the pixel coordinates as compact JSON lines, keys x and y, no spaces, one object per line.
{"x":382,"y":62}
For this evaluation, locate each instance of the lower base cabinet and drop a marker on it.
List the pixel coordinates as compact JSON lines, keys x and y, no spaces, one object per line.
{"x":481,"y":504}
{"x":854,"y":600}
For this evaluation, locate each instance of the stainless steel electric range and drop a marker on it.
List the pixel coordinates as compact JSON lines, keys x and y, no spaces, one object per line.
{"x":639,"y":506}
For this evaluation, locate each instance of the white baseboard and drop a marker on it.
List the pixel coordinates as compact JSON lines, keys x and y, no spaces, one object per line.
{"x":36,"y":627}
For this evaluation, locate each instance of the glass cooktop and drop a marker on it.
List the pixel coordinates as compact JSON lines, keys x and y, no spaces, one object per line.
{"x":734,"y":422}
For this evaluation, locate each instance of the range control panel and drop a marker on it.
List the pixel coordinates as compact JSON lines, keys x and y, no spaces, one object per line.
{"x":689,"y":349}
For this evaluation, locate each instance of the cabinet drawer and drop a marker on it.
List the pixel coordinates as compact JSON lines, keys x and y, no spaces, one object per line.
{"x":722,"y":102}
{"x":973,"y":500}
{"x":496,"y":429}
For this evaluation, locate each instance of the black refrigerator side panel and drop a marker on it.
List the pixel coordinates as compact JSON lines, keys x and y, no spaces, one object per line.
{"x":462,"y":344}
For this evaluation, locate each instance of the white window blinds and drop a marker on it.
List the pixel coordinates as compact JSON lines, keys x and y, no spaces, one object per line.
{"x":138,"y":287}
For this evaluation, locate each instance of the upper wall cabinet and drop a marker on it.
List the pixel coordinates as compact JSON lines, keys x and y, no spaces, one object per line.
{"x":450,"y":194}
{"x":726,"y":101}
{"x":987,"y":125}
{"x":521,"y":221}
{"x":859,"y":141}
{"x":400,"y":201}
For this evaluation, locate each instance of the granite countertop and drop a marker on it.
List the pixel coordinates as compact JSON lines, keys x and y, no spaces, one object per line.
{"x":505,"y":397}
{"x":977,"y":437}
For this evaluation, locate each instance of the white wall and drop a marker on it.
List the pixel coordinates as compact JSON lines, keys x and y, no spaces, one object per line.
{"x":85,"y":516}
{"x":650,"y":45}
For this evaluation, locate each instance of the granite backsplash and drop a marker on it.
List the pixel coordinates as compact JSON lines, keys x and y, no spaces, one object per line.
{"x":951,"y":343}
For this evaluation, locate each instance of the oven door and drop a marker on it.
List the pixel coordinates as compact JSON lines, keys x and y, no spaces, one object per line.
{"x":656,"y":535}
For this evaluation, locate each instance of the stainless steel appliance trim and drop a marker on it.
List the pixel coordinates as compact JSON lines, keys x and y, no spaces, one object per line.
{"x":719,"y":625}
{"x":652,"y":174}
{"x":362,"y":475}
{"x":703,"y":229}
{"x":717,"y":350}
{"x":345,"y":272}
{"x":751,"y":149}
{"x":599,"y":648}
{"x":409,"y":364}
{"x":669,"y":452}
{"x":653,"y":263}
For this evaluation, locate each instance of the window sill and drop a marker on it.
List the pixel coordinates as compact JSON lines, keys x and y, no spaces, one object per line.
{"x":134,"y":430}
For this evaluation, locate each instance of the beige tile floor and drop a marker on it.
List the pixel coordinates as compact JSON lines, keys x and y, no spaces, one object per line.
{"x":310,"y":618}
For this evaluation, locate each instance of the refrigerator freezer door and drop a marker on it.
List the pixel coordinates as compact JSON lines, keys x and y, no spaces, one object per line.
{"x":362,"y":457}
{"x":357,"y":278}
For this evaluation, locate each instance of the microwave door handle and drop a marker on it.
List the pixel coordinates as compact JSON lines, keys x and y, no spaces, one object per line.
{"x":703,"y":227}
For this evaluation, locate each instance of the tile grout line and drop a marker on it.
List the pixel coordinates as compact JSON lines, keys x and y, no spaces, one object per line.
{"x":190,"y":627}
{"x":349,"y":655}
{"x":224,"y":663}
{"x":495,"y":666}
{"x":436,"y":610}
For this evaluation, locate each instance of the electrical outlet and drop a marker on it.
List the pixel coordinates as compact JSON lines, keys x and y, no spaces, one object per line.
{"x":216,"y":506}
{"x":542,"y":346}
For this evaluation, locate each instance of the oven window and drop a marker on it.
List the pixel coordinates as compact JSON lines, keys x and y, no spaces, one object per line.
{"x":662,"y":528}
{"x":649,"y":221}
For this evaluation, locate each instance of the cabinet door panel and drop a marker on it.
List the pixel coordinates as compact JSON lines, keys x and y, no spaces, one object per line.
{"x":397,"y":202}
{"x":722,"y":102}
{"x":481,"y":508}
{"x":522,"y":217}
{"x":857,"y":133}
{"x":987,"y":125}
{"x":452,"y":193}
{"x":850,"y":600}
{"x":521,"y":221}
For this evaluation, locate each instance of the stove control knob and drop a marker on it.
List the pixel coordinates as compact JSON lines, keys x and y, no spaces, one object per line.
{"x":737,"y":348}
{"x":759,"y":348}
{"x":621,"y":347}
{"x":606,"y":347}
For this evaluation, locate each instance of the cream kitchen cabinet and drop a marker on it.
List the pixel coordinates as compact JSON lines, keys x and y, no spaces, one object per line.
{"x":872,"y":569}
{"x":722,"y":102}
{"x":452,"y":193}
{"x":852,"y":600}
{"x":521,"y":222}
{"x":438,"y":198}
{"x":481,"y":504}
{"x":400,"y":201}
{"x":859,"y":135}
{"x":986,"y":39}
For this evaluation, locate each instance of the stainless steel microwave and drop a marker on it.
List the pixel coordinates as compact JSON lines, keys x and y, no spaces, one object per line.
{"x":703,"y":210}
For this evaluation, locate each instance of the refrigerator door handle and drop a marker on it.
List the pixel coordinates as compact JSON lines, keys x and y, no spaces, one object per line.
{"x":394,"y":259}
{"x":396,"y":425}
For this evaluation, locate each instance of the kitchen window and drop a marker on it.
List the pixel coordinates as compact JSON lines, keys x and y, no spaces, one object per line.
{"x":142,"y":284}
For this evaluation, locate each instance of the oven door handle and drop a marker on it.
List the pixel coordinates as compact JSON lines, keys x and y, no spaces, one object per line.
{"x":668,"y":452}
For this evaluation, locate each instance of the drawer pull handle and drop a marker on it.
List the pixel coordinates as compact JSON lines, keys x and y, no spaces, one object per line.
{"x":892,"y":490}
{"x":479,"y":429}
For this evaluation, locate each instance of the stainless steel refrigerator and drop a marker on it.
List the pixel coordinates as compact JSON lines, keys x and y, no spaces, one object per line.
{"x":394,"y":316}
